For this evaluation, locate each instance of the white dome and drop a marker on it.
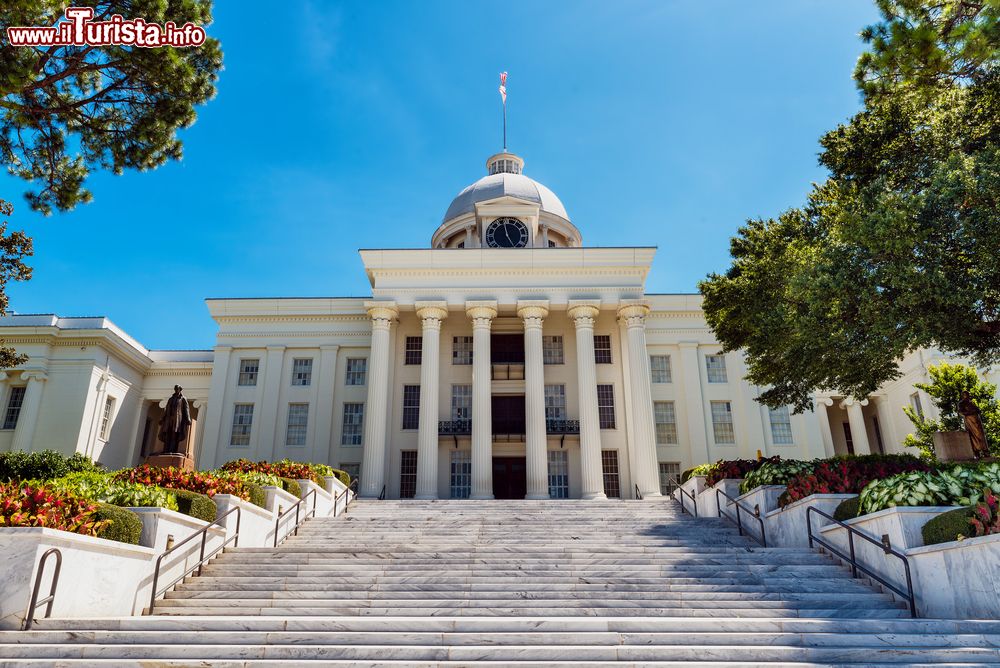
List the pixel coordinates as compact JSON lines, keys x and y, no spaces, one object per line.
{"x":503,"y":184}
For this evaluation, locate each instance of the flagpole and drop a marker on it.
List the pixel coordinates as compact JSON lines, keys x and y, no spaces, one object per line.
{"x":505,"y":126}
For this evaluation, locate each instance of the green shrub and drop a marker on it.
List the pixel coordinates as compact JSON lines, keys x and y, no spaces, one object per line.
{"x":848,"y":509}
{"x":196,"y":505}
{"x":20,"y":465}
{"x":701,"y":469}
{"x":104,"y":488}
{"x":123,"y":525}
{"x":775,"y":473}
{"x":948,"y":526}
{"x":292,"y":487}
{"x":258,"y":496}
{"x":81,"y":463}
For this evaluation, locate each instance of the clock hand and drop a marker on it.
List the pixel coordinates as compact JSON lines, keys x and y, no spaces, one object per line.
{"x":506,"y":230}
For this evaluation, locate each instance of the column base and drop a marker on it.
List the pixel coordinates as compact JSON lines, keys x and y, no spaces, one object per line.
{"x":481,"y":497}
{"x":596,"y":496}
{"x":537,"y":497}
{"x":425,"y":497}
{"x":651,"y":495}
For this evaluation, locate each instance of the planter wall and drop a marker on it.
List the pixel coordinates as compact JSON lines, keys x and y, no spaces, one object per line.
{"x":323,"y":501}
{"x":337,"y":489}
{"x":765,"y":496}
{"x":694,"y":486}
{"x":708,"y":500}
{"x":787,"y":527}
{"x":256,"y":523}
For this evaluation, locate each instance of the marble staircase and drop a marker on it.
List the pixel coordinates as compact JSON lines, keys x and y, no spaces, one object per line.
{"x":515,"y":583}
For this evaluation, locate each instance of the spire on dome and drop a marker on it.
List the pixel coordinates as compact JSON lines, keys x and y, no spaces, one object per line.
{"x":504,"y":163}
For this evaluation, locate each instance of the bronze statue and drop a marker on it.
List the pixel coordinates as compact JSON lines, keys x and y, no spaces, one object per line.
{"x":974,"y":425}
{"x":175,"y":423}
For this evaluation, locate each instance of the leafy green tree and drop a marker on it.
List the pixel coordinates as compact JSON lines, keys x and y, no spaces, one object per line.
{"x":900,"y":247}
{"x":948,"y":381}
{"x":67,"y":110}
{"x":14,"y":247}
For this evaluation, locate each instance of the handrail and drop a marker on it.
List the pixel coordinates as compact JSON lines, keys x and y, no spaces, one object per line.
{"x":381,"y":495}
{"x":295,"y":506}
{"x":353,"y":487}
{"x":638,"y":494}
{"x":857,"y":565}
{"x":755,"y":513}
{"x":203,"y":532}
{"x":694,"y":502}
{"x":33,"y":603}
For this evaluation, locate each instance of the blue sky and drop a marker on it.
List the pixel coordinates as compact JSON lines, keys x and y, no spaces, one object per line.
{"x":346,"y":125}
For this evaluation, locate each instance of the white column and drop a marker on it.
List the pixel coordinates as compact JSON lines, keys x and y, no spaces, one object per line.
{"x":213,"y":447}
{"x":373,"y":461}
{"x":431,"y":314}
{"x":584,"y":313}
{"x":856,"y":418}
{"x":826,"y":435}
{"x":270,"y":439}
{"x":323,"y":406}
{"x":482,"y":314}
{"x":536,"y":438}
{"x":645,"y":471}
{"x":694,"y":403}
{"x":197,"y":436}
{"x":28,"y":418}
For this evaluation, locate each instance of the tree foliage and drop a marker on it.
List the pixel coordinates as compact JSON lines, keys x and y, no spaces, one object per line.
{"x":67,"y":110}
{"x":900,"y":247}
{"x":14,"y":247}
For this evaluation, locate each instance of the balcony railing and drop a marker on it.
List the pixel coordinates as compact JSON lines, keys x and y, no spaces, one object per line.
{"x":562,"y":426}
{"x":464,"y":427}
{"x":455,"y":427}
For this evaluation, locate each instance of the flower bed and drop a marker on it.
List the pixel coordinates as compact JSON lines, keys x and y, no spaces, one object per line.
{"x":961,"y":485}
{"x":287,"y":469}
{"x":191,"y":481}
{"x":847,"y":475}
{"x":37,"y":505}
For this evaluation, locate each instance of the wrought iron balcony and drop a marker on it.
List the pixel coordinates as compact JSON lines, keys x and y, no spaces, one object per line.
{"x":454,"y":427}
{"x":562,"y":426}
{"x":507,"y":428}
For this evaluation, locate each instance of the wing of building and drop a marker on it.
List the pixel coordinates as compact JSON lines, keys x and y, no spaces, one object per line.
{"x":506,"y":360}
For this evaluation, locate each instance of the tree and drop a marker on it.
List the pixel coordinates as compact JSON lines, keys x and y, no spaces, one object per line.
{"x":67,"y":110}
{"x":900,"y":247}
{"x":948,"y":381}
{"x":14,"y":247}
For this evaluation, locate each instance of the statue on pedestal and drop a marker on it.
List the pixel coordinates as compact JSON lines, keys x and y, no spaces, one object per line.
{"x":974,"y":425}
{"x":175,"y":423}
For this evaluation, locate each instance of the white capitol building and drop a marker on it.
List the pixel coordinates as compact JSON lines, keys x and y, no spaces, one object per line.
{"x":506,"y":360}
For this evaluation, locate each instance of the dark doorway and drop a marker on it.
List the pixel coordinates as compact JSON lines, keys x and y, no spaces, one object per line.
{"x":508,"y":415}
{"x":509,"y":478}
{"x":507,"y":348}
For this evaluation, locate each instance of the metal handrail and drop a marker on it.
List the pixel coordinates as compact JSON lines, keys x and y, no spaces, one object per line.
{"x":857,"y":565}
{"x":33,"y":603}
{"x":295,"y":506}
{"x":754,"y":512}
{"x":638,"y":494}
{"x":353,"y":487}
{"x":203,"y":532}
{"x":694,"y":502}
{"x":381,"y":495}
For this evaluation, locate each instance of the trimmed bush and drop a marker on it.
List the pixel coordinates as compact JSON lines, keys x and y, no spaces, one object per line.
{"x":848,"y":509}
{"x":20,"y":465}
{"x":701,"y":469}
{"x":196,"y":505}
{"x":123,"y":525}
{"x":81,"y":463}
{"x":258,"y":496}
{"x":948,"y":526}
{"x":292,"y":487}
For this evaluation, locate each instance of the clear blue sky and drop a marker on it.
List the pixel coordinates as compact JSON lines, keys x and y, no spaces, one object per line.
{"x":346,"y":125}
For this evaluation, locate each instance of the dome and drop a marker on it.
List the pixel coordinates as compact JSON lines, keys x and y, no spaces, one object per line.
{"x":505,"y":179}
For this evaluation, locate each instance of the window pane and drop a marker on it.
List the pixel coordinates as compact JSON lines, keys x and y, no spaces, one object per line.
{"x":242,"y":424}
{"x":461,"y":474}
{"x":552,"y":350}
{"x":414,"y":349}
{"x":411,"y":407}
{"x":298,"y":421}
{"x":461,"y":402}
{"x":302,"y":370}
{"x":722,"y":422}
{"x":666,"y":422}
{"x":248,"y":372}
{"x":408,"y":474}
{"x":352,"y":469}
{"x":781,"y":426}
{"x":109,"y":409}
{"x":659,"y":366}
{"x":461,"y":350}
{"x":609,"y":466}
{"x":606,"y":406}
{"x":555,"y":402}
{"x":558,"y":474}
{"x":354,"y":421}
{"x":716,"y":367}
{"x":356,"y":370}
{"x":670,"y":477}
{"x":13,"y":407}
{"x":602,"y":349}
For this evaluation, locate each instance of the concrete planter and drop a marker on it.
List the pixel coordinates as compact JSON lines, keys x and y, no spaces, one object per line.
{"x":787,"y":527}
{"x":322,"y":502}
{"x":337,"y":488}
{"x":99,"y":578}
{"x":708,"y":500}
{"x":694,"y":486}
{"x":277,"y":498}
{"x":256,"y":523}
{"x":765,"y":497}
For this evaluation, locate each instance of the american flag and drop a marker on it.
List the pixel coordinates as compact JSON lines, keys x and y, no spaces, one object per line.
{"x":503,"y":86}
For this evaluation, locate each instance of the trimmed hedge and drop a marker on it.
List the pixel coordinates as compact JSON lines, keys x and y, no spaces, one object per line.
{"x":292,"y":487}
{"x":848,"y":509}
{"x":701,"y":469}
{"x":196,"y":505}
{"x":258,"y":496}
{"x":343,"y":476}
{"x":124,"y":525}
{"x":948,"y":526}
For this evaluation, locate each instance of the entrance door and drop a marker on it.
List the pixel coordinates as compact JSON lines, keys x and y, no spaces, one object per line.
{"x":509,"y":478}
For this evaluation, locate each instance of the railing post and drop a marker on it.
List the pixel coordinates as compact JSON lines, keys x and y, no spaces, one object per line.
{"x":201,"y":553}
{"x":854,"y":561}
{"x":739,"y":519}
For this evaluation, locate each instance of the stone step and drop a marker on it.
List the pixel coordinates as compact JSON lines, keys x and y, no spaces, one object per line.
{"x":562,"y":611}
{"x":322,"y":584}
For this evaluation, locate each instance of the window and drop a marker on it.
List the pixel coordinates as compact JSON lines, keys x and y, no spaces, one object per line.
{"x":414,"y":350}
{"x":555,"y":402}
{"x":408,"y":474}
{"x":461,"y":350}
{"x":602,"y":349}
{"x":298,"y":420}
{"x":461,"y":474}
{"x":666,"y":422}
{"x":606,"y":406}
{"x":242,"y":424}
{"x":109,"y":412}
{"x":659,"y":366}
{"x":354,"y":423}
{"x":552,"y":350}
{"x":848,"y":439}
{"x":352,"y":469}
{"x":781,"y":426}
{"x":722,"y":422}
{"x":461,"y":402}
{"x":357,"y":368}
{"x":878,"y":436}
{"x":248,"y":372}
{"x":558,"y":474}
{"x":302,"y":371}
{"x":670,"y":477}
{"x":915,"y":404}
{"x":13,"y":407}
{"x":411,"y":407}
{"x":609,"y":466}
{"x":716,"y":368}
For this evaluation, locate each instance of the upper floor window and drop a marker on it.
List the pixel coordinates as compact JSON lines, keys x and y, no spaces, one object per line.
{"x":352,"y":433}
{"x":659,"y":367}
{"x":248,"y":372}
{"x":915,"y":404}
{"x":555,"y":402}
{"x":552,"y":349}
{"x":242,"y":424}
{"x":461,"y":402}
{"x":106,"y":417}
{"x":14,"y":402}
{"x":781,"y":426}
{"x":298,"y":423}
{"x":606,"y":406}
{"x":602,"y":349}
{"x":357,"y":368}
{"x":411,"y":407}
{"x":414,"y":350}
{"x":666,"y":422}
{"x":461,"y":350}
{"x":716,"y":368}
{"x":722,"y":423}
{"x":302,"y":371}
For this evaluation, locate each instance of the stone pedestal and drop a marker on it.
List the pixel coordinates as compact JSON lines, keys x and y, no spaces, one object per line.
{"x":953,"y":446}
{"x":178,"y":461}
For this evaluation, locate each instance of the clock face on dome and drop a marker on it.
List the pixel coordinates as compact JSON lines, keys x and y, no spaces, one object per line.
{"x":507,"y":233}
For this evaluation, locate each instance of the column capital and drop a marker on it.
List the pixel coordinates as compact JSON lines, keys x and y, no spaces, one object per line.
{"x":851,"y":401}
{"x":382,"y":313}
{"x":275,"y":348}
{"x":199,"y":403}
{"x":633,"y":312}
{"x":332,"y":347}
{"x":3,"y":376}
{"x":481,"y":310}
{"x":823,"y":401}
{"x":533,"y":309}
{"x":34,"y":375}
{"x":436,"y":311}
{"x":584,"y":311}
